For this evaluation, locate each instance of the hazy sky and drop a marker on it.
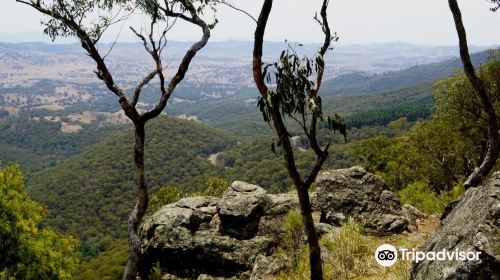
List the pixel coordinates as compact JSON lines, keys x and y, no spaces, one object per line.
{"x":356,"y":21}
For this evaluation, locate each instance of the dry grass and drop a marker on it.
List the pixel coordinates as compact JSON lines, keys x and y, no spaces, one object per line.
{"x":348,"y":254}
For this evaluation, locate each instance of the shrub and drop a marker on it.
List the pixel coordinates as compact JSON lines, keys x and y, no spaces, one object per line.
{"x":421,"y":196}
{"x":215,"y":186}
{"x":454,"y":194}
{"x":349,"y":252}
{"x":349,"y":255}
{"x":164,"y":196}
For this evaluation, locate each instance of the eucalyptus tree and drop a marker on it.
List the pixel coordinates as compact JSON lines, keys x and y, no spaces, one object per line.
{"x":491,"y":154}
{"x":294,"y":98}
{"x":88,"y":21}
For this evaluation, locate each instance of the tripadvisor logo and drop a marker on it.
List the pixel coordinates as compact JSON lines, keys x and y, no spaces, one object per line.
{"x":387,"y":255}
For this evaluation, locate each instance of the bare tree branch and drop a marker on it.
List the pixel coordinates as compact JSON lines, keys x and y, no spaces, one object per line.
{"x":138,"y":88}
{"x":237,"y":9}
{"x":186,"y":60}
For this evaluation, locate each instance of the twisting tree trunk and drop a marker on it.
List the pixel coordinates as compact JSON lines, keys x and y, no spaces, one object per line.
{"x":302,"y":189}
{"x":68,"y":18}
{"x":491,"y":155}
{"x":141,"y":205}
{"x":298,"y":95}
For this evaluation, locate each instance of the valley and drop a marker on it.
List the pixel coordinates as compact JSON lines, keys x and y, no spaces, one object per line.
{"x":73,"y":144}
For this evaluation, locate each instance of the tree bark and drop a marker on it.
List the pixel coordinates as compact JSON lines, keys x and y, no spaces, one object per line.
{"x":312,"y":236}
{"x":491,"y":155}
{"x":141,"y":205}
{"x":283,"y":134}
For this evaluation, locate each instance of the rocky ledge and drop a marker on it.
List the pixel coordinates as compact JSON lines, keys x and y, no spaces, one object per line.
{"x":472,"y":225}
{"x":234,"y":237}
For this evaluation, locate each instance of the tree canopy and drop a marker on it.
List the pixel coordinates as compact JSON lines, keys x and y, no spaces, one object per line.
{"x":28,"y":252}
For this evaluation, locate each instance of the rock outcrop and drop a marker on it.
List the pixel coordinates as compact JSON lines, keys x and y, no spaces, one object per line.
{"x":218,"y":237}
{"x":234,"y":237}
{"x":241,"y":208}
{"x":473,"y":225}
{"x":363,"y":196}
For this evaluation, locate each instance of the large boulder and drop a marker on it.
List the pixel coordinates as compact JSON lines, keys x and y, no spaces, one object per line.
{"x":241,"y":208}
{"x":185,"y":239}
{"x":365,"y":197}
{"x":235,"y":237}
{"x":201,"y":236}
{"x":472,"y":225}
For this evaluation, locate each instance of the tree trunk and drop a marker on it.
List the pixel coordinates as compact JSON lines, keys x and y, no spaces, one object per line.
{"x":490,"y":158}
{"x":303,"y":194}
{"x":141,"y":205}
{"x":312,"y":236}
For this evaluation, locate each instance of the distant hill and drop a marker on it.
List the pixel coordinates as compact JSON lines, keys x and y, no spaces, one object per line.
{"x":223,"y":63}
{"x":91,"y":194}
{"x":361,"y":83}
{"x":37,"y":144}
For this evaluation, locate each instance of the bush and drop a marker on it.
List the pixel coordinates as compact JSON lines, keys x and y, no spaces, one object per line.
{"x":164,"y":196}
{"x":215,"y":186}
{"x":349,"y":255}
{"x":453,"y":195}
{"x":349,"y":252}
{"x":421,"y":196}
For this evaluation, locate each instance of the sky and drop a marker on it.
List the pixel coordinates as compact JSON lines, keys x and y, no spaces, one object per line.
{"x":425,"y":22}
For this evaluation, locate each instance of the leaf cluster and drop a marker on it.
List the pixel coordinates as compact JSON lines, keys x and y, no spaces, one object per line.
{"x":94,"y":16}
{"x":294,"y":93}
{"x":161,"y":10}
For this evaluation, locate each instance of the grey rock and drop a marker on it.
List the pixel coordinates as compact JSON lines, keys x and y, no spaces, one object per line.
{"x":473,"y":225}
{"x":189,"y":213}
{"x":241,"y":208}
{"x":322,"y":228}
{"x":278,"y":206}
{"x":189,"y":254}
{"x":265,"y":267}
{"x":365,"y":197}
{"x":235,"y":237}
{"x":281,"y":204}
{"x":413,"y":213}
{"x":334,"y":218}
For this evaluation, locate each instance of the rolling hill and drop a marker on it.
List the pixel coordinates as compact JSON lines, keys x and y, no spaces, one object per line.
{"x":361,"y":83}
{"x":91,"y":194}
{"x":39,"y":143}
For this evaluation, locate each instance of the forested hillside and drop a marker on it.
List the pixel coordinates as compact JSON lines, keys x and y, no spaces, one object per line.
{"x":413,"y":102}
{"x":39,"y":143}
{"x":90,"y":195}
{"x":87,"y":182}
